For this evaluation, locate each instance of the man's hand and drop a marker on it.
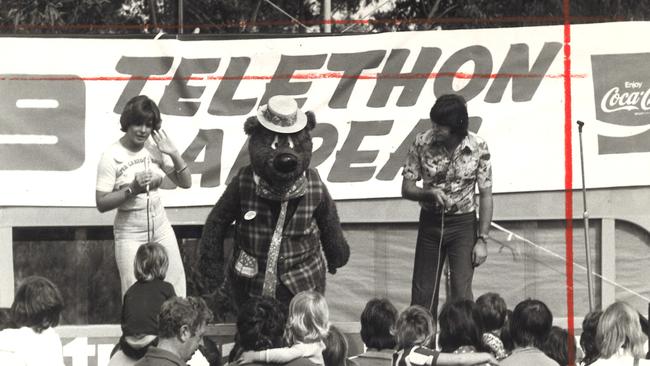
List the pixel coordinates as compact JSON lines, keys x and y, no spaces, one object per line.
{"x":479,"y":253}
{"x":440,"y":197}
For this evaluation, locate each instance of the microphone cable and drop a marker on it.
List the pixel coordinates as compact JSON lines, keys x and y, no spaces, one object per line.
{"x":146,"y":169}
{"x":436,"y":277}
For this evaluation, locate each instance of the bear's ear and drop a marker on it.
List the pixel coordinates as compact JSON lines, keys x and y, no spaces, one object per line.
{"x":251,"y":125}
{"x":311,"y":120}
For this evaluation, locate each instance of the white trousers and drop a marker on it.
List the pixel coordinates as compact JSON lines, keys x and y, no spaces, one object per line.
{"x":130,"y":231}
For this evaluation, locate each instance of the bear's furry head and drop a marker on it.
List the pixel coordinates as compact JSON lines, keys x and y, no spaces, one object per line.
{"x":279,"y":158}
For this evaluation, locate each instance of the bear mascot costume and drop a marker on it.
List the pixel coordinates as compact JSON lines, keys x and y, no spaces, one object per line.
{"x":285,"y":219}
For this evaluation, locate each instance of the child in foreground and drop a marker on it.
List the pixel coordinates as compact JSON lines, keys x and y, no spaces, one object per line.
{"x":415,"y":333}
{"x":36,"y":310}
{"x":143,"y":299}
{"x":307,"y":327}
{"x":493,"y":312}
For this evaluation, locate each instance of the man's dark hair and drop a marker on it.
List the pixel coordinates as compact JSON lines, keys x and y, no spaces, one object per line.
{"x":37,"y":304}
{"x":377,"y":321}
{"x":492,"y":308}
{"x":451,"y":110}
{"x":177,"y":312}
{"x":531,"y":323}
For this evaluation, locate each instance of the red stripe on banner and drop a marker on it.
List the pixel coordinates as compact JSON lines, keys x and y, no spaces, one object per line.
{"x":297,"y":76}
{"x":568,"y":180}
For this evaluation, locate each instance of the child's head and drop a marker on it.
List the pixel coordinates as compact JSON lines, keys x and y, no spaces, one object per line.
{"x":492,"y":308}
{"x":150,"y":262}
{"x":260,"y":325}
{"x":588,"y":337}
{"x":37,"y":304}
{"x":336,"y":348}
{"x":556,"y":345}
{"x":377,"y":323}
{"x":505,"y":335}
{"x":459,"y":324}
{"x":414,"y":327}
{"x":308,"y":318}
{"x":5,"y":318}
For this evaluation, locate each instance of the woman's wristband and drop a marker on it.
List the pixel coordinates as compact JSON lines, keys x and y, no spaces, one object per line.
{"x":179,"y":171}
{"x":128,"y":191}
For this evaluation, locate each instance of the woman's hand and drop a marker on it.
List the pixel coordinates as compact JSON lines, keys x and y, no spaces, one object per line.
{"x":141,"y":181}
{"x":165,"y":145}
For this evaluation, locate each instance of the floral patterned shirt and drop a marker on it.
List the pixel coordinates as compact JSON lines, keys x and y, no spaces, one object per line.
{"x":456,"y":174}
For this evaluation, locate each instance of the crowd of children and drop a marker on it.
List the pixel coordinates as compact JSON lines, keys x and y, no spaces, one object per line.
{"x":481,"y":332}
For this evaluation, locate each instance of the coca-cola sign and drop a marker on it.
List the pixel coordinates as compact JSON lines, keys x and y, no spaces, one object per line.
{"x":622,"y":96}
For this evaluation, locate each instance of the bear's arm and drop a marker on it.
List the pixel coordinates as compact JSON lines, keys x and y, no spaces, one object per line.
{"x":211,"y":252}
{"x":335,"y":247}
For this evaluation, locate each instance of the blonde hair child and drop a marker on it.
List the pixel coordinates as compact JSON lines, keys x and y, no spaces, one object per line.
{"x":143,"y":299}
{"x":307,"y":327}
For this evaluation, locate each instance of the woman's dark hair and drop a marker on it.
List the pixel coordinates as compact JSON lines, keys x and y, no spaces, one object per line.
{"x":460,"y":325}
{"x":377,"y":322}
{"x":138,"y":111}
{"x":588,"y":337}
{"x":492,"y":308}
{"x":336,"y":348}
{"x":37,"y":304}
{"x":556,"y":346}
{"x":260,"y":325}
{"x":530,"y":324}
{"x":451,"y":110}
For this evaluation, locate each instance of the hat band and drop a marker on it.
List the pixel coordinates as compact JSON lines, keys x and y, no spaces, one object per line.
{"x":282,"y":121}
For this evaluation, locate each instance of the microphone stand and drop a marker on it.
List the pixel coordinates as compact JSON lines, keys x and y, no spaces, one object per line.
{"x":585,"y":217}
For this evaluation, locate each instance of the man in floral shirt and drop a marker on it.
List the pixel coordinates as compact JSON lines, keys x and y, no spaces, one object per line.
{"x":451,"y":162}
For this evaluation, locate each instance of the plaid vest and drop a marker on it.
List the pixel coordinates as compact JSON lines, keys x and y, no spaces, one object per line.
{"x":301,"y":265}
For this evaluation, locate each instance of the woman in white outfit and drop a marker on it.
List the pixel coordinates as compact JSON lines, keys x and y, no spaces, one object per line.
{"x":128,"y":176}
{"x":620,"y":338}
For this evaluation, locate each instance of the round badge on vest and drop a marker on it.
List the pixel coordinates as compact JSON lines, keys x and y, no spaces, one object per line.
{"x":250,"y":215}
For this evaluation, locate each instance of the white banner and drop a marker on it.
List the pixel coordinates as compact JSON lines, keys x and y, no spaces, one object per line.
{"x":60,"y":101}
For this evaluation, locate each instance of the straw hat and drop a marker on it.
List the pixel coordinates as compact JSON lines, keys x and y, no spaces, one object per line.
{"x":282,"y":115}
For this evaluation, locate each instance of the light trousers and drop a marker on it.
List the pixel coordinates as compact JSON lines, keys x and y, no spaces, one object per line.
{"x":130,"y":231}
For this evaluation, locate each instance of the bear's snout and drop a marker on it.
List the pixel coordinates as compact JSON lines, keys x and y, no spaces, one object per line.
{"x":285,"y":163}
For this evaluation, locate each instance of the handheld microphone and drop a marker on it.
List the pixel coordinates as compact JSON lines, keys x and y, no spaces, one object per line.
{"x":146,"y":169}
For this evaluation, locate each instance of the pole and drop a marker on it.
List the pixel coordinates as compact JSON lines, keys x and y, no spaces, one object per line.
{"x":327,"y":16}
{"x":180,"y":17}
{"x":585,"y":217}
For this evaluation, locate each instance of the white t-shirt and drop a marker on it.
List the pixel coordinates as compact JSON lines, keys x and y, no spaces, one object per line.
{"x":118,"y":166}
{"x":621,"y":358}
{"x":25,"y":347}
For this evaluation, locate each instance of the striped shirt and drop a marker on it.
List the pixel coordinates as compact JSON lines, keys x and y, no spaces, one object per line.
{"x":415,"y":356}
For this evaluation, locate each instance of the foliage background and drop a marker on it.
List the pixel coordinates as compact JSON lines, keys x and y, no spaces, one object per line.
{"x":261,"y":16}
